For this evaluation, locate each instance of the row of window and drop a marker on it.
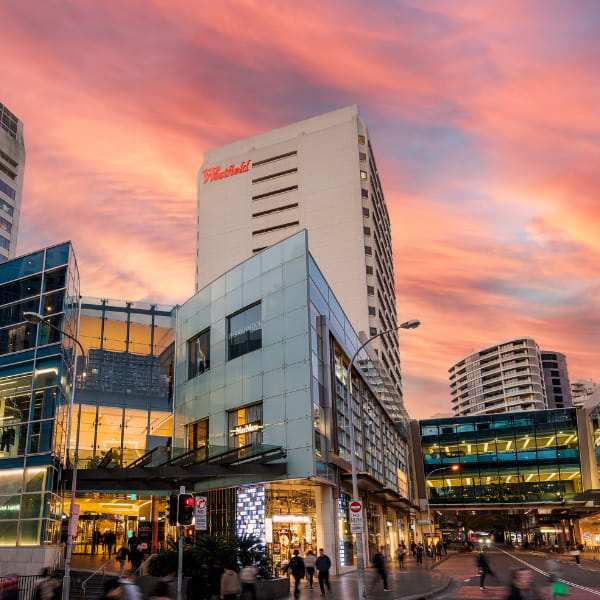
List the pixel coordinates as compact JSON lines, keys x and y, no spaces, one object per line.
{"x":275,"y":175}
{"x":7,"y":208}
{"x":277,"y":192}
{"x":5,"y":225}
{"x":266,"y":161}
{"x":8,"y":121}
{"x":277,"y":209}
{"x":244,"y":335}
{"x":6,"y":189}
{"x":8,"y":159}
{"x":8,"y":172}
{"x":275,"y":228}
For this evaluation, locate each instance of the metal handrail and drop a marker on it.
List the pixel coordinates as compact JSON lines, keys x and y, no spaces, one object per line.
{"x":100,"y":568}
{"x":141,"y":569}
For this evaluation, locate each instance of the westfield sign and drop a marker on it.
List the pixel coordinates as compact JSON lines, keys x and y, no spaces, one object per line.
{"x":215,"y":173}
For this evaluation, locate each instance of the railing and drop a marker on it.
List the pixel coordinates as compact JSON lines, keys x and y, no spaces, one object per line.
{"x":85,"y":581}
{"x":141,"y":569}
{"x":26,"y":585}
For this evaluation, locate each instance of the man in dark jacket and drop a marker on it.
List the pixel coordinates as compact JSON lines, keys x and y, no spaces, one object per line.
{"x":323,"y":565}
{"x":379,"y":564}
{"x":296,"y":568}
{"x":483,"y":564}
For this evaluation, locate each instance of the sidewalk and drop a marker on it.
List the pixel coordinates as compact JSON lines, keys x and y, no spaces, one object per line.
{"x":412,"y":582}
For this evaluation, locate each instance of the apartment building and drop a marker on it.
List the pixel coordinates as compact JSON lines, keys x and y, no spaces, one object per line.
{"x":319,"y":174}
{"x":556,"y":379}
{"x":12,"y":167}
{"x":505,"y":377}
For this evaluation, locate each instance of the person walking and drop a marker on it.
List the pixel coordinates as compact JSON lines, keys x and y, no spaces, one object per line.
{"x":214,"y":580}
{"x":112,"y":590}
{"x":135,"y":558}
{"x":445,"y":546}
{"x":483,"y":566}
{"x":413,"y":549}
{"x":521,"y":587}
{"x":230,"y":584}
{"x":309,"y":562}
{"x":248,"y":580}
{"x":121,"y":556}
{"x":401,"y":555}
{"x":419,"y":553}
{"x":555,"y":573}
{"x":323,"y":565}
{"x":161,"y":591}
{"x":197,"y":587}
{"x":297,"y":569}
{"x":438,"y":550}
{"x":379,"y":564}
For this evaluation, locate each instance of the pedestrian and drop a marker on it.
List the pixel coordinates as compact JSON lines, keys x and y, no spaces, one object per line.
{"x":419,"y":553}
{"x":521,"y":587}
{"x":379,"y":564}
{"x":401,"y":555}
{"x":248,"y":580}
{"x":483,"y":566}
{"x":122,"y":555}
{"x":129,"y":588}
{"x":555,"y":573}
{"x":161,"y":591}
{"x":197,"y":587}
{"x":215,"y":572}
{"x":309,"y":562}
{"x":135,"y":558}
{"x":323,"y":565}
{"x":10,"y":588}
{"x":413,"y":549}
{"x":445,"y":546}
{"x":95,"y":540}
{"x":230,"y":584}
{"x":576,"y":552}
{"x":112,"y":540}
{"x":297,"y":569}
{"x":112,"y":590}
{"x":439,"y":550}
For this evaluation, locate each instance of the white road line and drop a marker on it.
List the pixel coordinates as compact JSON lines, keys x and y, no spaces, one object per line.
{"x":575,"y":585}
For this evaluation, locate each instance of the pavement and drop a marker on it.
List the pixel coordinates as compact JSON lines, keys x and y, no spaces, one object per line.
{"x":86,"y":562}
{"x":583,"y":581}
{"x":411,"y":583}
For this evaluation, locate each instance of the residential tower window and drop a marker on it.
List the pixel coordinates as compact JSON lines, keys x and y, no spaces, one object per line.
{"x":199,"y":354}
{"x":244,"y":331}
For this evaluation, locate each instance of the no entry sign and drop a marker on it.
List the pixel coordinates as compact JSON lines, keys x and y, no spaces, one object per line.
{"x":356,"y":517}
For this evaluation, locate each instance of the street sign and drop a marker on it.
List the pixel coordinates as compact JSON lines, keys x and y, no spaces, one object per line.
{"x":356,"y":517}
{"x":201,"y":513}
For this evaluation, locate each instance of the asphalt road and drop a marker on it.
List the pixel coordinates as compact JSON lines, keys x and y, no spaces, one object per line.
{"x":583,"y":581}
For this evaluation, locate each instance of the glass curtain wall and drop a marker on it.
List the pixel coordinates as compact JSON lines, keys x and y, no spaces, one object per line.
{"x":523,"y":457}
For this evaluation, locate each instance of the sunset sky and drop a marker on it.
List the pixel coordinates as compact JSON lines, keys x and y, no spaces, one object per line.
{"x":485,"y":124}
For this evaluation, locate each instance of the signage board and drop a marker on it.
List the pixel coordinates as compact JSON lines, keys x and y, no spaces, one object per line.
{"x":201,"y":513}
{"x":246,"y":428}
{"x":356,"y":517}
{"x":215,"y":173}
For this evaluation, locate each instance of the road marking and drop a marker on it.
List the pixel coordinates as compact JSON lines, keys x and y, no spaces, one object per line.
{"x":575,"y":585}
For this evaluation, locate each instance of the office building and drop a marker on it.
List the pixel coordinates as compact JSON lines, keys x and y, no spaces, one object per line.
{"x":501,"y":378}
{"x":36,"y":370}
{"x":261,"y":359}
{"x":320,"y":175}
{"x":556,"y":379}
{"x":585,"y":393}
{"x":12,"y":168}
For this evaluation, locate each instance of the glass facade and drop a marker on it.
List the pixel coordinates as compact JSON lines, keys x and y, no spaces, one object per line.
{"x":506,"y":458}
{"x":36,"y":368}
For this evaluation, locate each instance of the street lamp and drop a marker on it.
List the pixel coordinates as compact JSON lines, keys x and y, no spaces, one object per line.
{"x":360,"y":559}
{"x":35,"y":318}
{"x":429,"y":525}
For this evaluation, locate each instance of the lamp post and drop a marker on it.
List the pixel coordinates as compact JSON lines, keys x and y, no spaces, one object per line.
{"x":360,"y":559}
{"x":35,"y":318}
{"x":429,"y":526}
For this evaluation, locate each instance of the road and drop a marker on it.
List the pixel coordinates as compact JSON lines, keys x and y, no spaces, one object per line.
{"x":583,"y":581}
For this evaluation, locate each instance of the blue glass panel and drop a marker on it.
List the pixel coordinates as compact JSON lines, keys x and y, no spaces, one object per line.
{"x":57,"y":256}
{"x":21,"y":267}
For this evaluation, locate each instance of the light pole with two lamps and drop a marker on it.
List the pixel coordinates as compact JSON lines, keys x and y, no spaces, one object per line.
{"x":429,"y":525}
{"x":360,"y":559}
{"x":34,"y":319}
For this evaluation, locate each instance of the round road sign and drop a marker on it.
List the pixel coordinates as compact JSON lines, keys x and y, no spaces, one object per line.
{"x":355,"y":506}
{"x":201,"y":502}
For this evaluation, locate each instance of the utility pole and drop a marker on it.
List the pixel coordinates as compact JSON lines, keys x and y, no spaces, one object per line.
{"x":180,"y":558}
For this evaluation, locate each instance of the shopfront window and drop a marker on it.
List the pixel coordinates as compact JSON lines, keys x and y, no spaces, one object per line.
{"x":244,"y":331}
{"x":198,"y":349}
{"x":245,"y":426}
{"x":346,"y":543}
{"x":197,"y":435}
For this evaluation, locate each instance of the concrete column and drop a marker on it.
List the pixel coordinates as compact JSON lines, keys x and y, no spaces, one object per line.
{"x":154,"y":516}
{"x":327,"y":522}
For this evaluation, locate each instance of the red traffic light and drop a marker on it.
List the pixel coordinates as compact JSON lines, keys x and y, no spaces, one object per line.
{"x":189,"y":501}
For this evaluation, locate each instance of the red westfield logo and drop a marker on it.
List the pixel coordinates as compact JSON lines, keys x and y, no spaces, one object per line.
{"x":215,"y":173}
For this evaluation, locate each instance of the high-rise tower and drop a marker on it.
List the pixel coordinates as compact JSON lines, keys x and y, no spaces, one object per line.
{"x":12,"y":166}
{"x":319,"y":174}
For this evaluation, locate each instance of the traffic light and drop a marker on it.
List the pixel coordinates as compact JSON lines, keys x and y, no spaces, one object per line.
{"x":185,"y":514}
{"x":172,"y":509}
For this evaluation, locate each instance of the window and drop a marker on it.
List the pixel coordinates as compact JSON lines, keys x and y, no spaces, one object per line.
{"x":370,"y":290}
{"x":362,"y":156}
{"x":199,"y":354}
{"x":275,"y":175}
{"x":7,"y":171}
{"x":5,"y":225}
{"x":274,"y":227}
{"x":244,"y":331}
{"x":197,"y":434}
{"x":368,"y":250}
{"x":8,"y":159}
{"x":372,"y":311}
{"x":363,"y":175}
{"x":4,"y":243}
{"x":4,"y":187}
{"x":364,"y":193}
{"x":290,"y":188}
{"x":277,"y":209}
{"x":245,"y":426}
{"x":274,"y":158}
{"x":361,"y":139}
{"x":372,"y":331}
{"x":367,"y":230}
{"x":365,"y":212}
{"x":7,"y":208}
{"x":369,"y":270}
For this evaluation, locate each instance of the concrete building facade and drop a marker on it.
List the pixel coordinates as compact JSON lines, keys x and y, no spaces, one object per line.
{"x":585,"y":393}
{"x":320,"y":175}
{"x":505,"y":377}
{"x":556,"y":379}
{"x":12,"y":168}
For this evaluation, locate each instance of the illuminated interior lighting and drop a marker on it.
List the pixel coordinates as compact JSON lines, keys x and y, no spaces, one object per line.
{"x":448,"y":482}
{"x":508,"y":444}
{"x":568,"y":440}
{"x":550,"y":440}
{"x":526,"y":443}
{"x":144,"y":504}
{"x":130,"y":506}
{"x":50,"y":370}
{"x":529,"y":477}
{"x":573,"y":475}
{"x":551,"y":476}
{"x":429,"y":483}
{"x":469,"y":448}
{"x":468,"y":481}
{"x":447,"y":449}
{"x":488,"y":479}
{"x":508,"y":479}
{"x":485,"y":447}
